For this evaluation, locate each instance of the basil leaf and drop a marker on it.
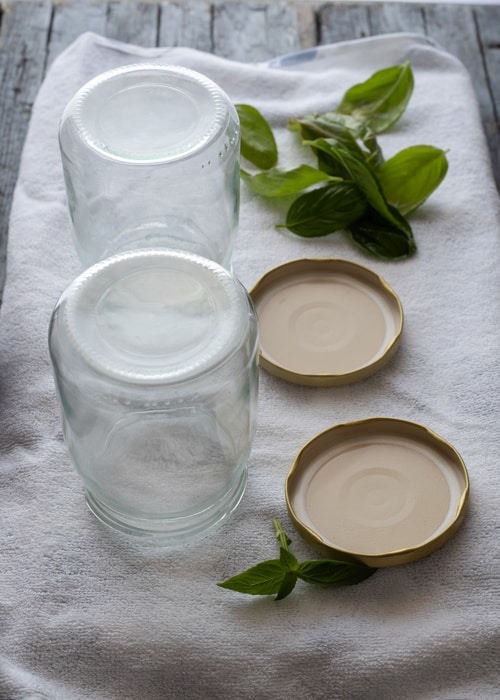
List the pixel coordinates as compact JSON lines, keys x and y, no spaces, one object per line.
{"x":264,"y":579}
{"x":257,"y":139}
{"x":364,"y":176}
{"x":287,"y":585}
{"x":280,"y":183}
{"x":412,"y":175}
{"x":329,"y":125}
{"x":379,"y":237}
{"x":325,"y":210}
{"x":324,"y":572}
{"x":381,"y":100}
{"x":287,"y":559}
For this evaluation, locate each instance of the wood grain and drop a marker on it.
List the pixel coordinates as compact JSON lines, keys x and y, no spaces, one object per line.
{"x":23,"y":39}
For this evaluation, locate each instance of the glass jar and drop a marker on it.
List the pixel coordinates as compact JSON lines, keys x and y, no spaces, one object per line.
{"x":150,"y":155}
{"x":154,"y":355}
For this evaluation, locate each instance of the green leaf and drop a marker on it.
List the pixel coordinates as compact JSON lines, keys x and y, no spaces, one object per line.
{"x":287,"y":559}
{"x":287,"y":585}
{"x":257,"y":139}
{"x":377,"y":236}
{"x":381,"y":100}
{"x":325,"y":572}
{"x":326,"y":126}
{"x":325,"y":210}
{"x":264,"y":579}
{"x":412,"y":175}
{"x":342,"y":128}
{"x":279,"y":576}
{"x":365,"y":177}
{"x":280,"y":183}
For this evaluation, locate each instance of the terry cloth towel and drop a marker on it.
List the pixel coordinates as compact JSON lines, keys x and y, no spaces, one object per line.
{"x":86,"y":614}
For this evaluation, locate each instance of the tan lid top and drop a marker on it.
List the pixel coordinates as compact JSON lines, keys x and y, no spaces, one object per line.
{"x":325,"y":321}
{"x":382,"y":491}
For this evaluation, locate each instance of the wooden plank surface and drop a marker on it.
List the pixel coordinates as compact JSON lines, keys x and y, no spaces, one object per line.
{"x":255,"y":32}
{"x":33,"y":33}
{"x":23,"y":41}
{"x":186,"y":23}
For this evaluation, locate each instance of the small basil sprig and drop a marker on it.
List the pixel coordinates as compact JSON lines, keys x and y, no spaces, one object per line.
{"x":352,"y":188}
{"x":279,"y":576}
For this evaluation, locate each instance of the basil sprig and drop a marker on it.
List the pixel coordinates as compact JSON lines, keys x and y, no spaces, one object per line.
{"x":353,"y":188}
{"x":278,"y":577}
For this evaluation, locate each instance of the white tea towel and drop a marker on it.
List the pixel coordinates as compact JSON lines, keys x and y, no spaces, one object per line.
{"x":86,"y":614}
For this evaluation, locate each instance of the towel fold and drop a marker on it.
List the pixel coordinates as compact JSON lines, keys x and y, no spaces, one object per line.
{"x":86,"y":614}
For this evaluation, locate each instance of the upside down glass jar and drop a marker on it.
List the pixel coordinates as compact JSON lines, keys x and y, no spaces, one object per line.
{"x":150,"y":156}
{"x":155,"y":362}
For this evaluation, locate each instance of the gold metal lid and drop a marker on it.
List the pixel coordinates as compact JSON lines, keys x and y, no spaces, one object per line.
{"x":380,"y":491}
{"x":325,"y":322}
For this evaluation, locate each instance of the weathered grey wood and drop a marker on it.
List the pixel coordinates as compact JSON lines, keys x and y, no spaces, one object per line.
{"x":23,"y":41}
{"x":454,"y":27}
{"x":255,"y":32}
{"x":287,"y":28}
{"x":70,"y":20}
{"x":308,"y":28}
{"x":135,"y":23}
{"x":488,"y":26}
{"x":388,"y":17}
{"x":342,"y":22}
{"x":186,"y":24}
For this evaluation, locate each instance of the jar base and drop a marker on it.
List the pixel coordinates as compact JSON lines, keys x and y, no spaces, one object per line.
{"x":166,"y":530}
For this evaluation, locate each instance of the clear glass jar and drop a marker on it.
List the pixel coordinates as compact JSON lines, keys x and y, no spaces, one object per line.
{"x":154,"y":355}
{"x":150,"y":155}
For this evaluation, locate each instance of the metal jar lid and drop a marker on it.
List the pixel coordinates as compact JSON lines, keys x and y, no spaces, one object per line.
{"x":380,"y":491}
{"x":326,"y":322}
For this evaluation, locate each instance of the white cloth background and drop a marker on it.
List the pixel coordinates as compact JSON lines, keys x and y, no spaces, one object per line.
{"x":88,"y":614}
